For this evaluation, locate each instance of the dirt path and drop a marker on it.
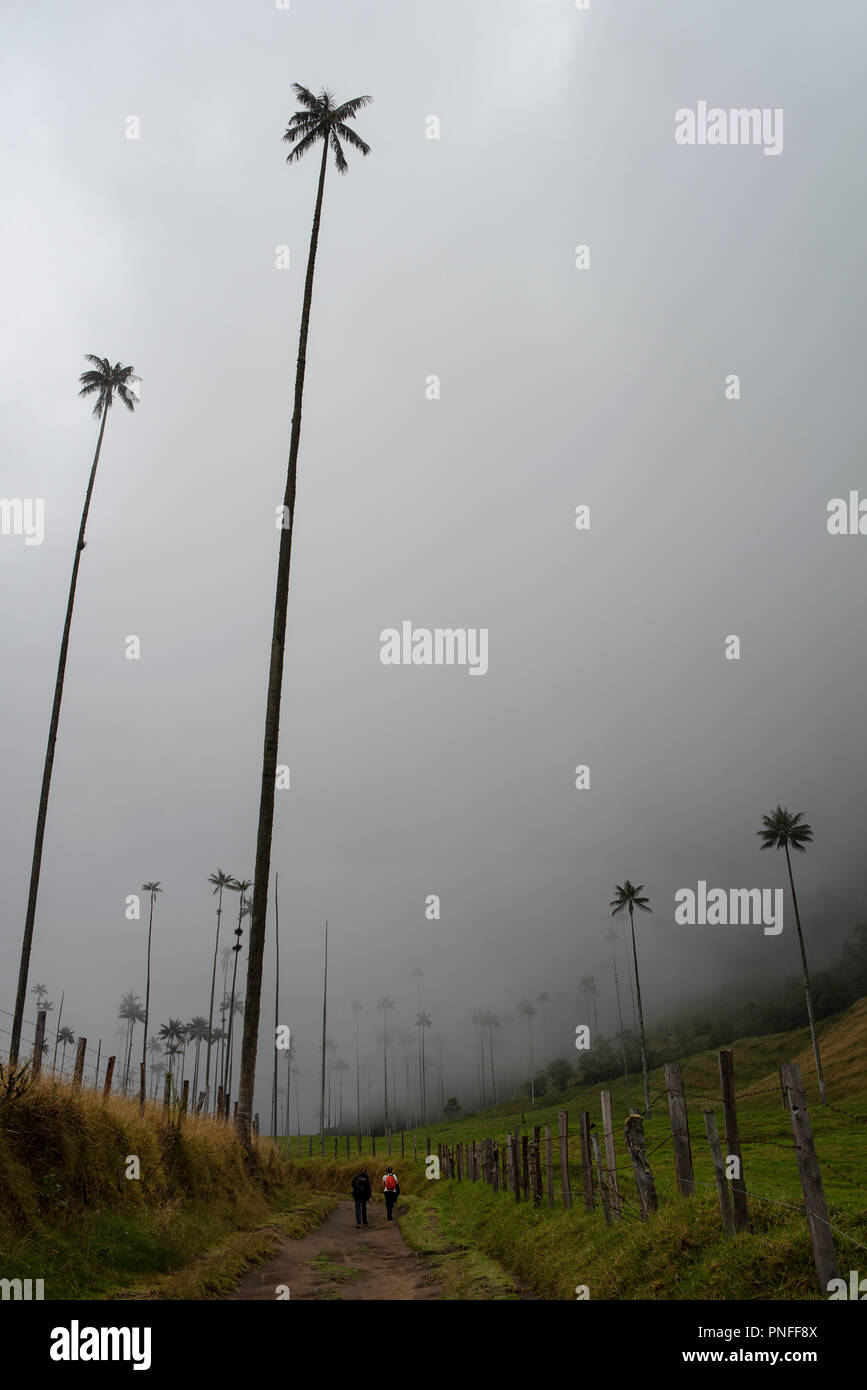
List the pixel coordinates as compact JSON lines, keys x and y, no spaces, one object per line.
{"x":339,"y":1261}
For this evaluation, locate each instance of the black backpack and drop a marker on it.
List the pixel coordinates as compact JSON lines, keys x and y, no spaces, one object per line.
{"x":359,"y":1185}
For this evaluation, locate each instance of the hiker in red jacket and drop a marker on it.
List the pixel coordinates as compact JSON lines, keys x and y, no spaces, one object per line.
{"x":391,"y":1191}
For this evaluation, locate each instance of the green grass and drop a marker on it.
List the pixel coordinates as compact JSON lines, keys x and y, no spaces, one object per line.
{"x":681,"y":1252}
{"x":187,"y":1228}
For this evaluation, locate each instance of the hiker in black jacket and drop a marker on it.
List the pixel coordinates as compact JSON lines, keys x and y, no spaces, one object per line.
{"x":361,"y":1194}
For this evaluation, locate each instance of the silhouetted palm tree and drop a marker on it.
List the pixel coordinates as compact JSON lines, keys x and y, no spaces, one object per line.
{"x":131,"y":1011}
{"x":356,"y":1009}
{"x":611,"y":935}
{"x":220,"y":882}
{"x":587,"y":986}
{"x":65,"y":1035}
{"x":152,"y":888}
{"x":783,"y":830}
{"x":107,"y":382}
{"x":529,"y":1013}
{"x":319,"y":119}
{"x":385,"y":1006}
{"x":627,"y":896}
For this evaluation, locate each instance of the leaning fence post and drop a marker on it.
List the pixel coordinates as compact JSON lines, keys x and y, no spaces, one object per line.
{"x":563,"y":1135}
{"x":167,"y":1091}
{"x":109,"y":1072}
{"x":79,"y":1064}
{"x":37,"y":1046}
{"x":679,"y":1129}
{"x":186,"y":1093}
{"x":525,"y":1166}
{"x":586,"y":1161}
{"x":634,"y":1134}
{"x":811,"y":1179}
{"x":594,"y":1141}
{"x":310,"y":1146}
{"x":348,"y":1148}
{"x":733,"y":1143}
{"x":610,"y":1156}
{"x":549,"y":1167}
{"x":719,"y":1173}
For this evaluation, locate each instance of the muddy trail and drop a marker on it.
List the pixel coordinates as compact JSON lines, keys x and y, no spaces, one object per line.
{"x":338,"y":1261}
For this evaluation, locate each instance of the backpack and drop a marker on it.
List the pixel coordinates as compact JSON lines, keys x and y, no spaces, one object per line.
{"x":390,"y":1182}
{"x":359,"y":1185}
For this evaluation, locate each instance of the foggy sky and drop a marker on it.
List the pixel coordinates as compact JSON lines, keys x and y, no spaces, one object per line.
{"x":559,"y":386}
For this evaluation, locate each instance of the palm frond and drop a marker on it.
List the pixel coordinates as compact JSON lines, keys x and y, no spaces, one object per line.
{"x":298,"y":151}
{"x":352,"y":138}
{"x":339,"y":156}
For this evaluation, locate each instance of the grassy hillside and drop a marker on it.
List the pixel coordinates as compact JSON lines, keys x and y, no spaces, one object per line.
{"x":681,"y":1252}
{"x":186,"y":1228}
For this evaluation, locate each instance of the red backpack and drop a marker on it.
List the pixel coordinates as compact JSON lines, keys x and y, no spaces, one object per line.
{"x":390,"y":1182}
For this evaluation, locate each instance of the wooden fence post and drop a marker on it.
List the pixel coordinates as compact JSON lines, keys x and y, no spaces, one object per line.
{"x":514,"y":1167}
{"x":79,"y":1064}
{"x":610,"y":1156}
{"x":586,"y":1160}
{"x":36,"y":1067}
{"x":634,"y":1134}
{"x":414,"y":1146}
{"x":255,"y":1117}
{"x":784,"y":1100}
{"x":200,"y":1102}
{"x":388,"y":1132}
{"x":358,"y":1137}
{"x":811,"y":1179}
{"x":109,"y":1073}
{"x":679,"y":1129}
{"x":348,"y":1148}
{"x":459,"y":1161}
{"x":186,"y":1094}
{"x":167,"y":1092}
{"x":719,"y":1173}
{"x":401,"y":1143}
{"x":427,"y":1146}
{"x":525,"y":1167}
{"x":235,"y":1113}
{"x":606,"y":1211}
{"x":495,"y":1164}
{"x":563,"y":1135}
{"x":373,"y":1145}
{"x":733,"y":1142}
{"x":536,"y":1170}
{"x":549,"y":1167}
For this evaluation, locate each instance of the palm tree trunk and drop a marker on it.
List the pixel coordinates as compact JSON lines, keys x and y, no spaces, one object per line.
{"x":36,"y":864}
{"x":640,"y":1020}
{"x":807,"y":990}
{"x":56,"y":1032}
{"x":147,"y":1010}
{"x":272,"y":712}
{"x":211,"y":1009}
{"x":324,"y":1015}
{"x":276,"y":1007}
{"x":620,"y":1018}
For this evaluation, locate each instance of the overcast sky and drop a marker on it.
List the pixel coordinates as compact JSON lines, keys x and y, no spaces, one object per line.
{"x":559,"y":386}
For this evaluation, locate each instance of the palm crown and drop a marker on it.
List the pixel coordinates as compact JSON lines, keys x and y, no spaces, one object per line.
{"x":319,"y":120}
{"x":107,"y":381}
{"x":783,"y":830}
{"x":627,"y":895}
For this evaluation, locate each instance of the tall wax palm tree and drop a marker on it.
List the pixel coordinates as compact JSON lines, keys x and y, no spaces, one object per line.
{"x":65,"y":1035}
{"x":526,"y":1009}
{"x":479,"y":1021}
{"x":423,"y":1021}
{"x":385,"y":1006}
{"x":627,"y":897}
{"x":155,"y":1049}
{"x":197,"y":1032}
{"x":170,"y":1033}
{"x":220,"y":882}
{"x":356,"y":1009}
{"x":276,"y":1005}
{"x":130,"y":1010}
{"x":318,"y":119}
{"x":587,"y":986}
{"x":782,"y":830}
{"x":106,"y":382}
{"x":611,"y":935}
{"x":152,"y":888}
{"x":492,"y":1022}
{"x":544,"y":999}
{"x":418,"y":975}
{"x":242,"y":886}
{"x":324,"y":1020}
